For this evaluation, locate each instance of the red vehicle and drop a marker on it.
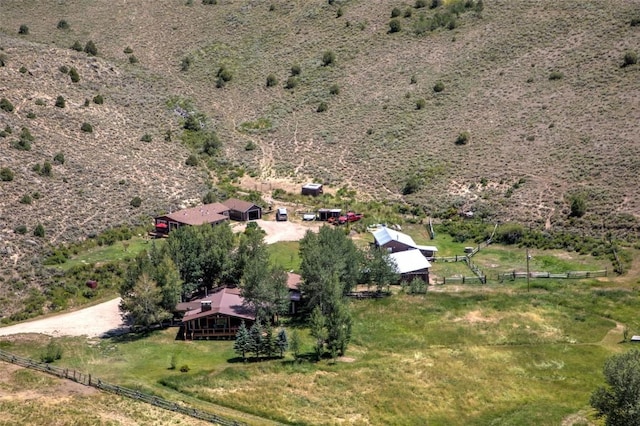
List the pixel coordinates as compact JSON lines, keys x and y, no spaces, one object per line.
{"x":349,"y":217}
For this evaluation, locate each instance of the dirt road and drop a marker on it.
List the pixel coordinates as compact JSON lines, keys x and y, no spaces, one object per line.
{"x":93,"y":321}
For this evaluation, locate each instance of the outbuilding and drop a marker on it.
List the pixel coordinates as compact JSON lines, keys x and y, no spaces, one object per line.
{"x":313,"y":189}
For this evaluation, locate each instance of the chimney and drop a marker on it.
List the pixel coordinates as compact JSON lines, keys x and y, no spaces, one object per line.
{"x":205,"y":305}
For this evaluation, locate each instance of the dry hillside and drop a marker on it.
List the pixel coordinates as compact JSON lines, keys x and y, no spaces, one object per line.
{"x":533,"y":141}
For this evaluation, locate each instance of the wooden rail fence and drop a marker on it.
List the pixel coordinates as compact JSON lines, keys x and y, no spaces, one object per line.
{"x":513,"y":275}
{"x":87,"y":380}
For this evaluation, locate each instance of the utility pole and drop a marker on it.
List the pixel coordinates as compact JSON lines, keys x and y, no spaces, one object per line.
{"x":528,"y":258}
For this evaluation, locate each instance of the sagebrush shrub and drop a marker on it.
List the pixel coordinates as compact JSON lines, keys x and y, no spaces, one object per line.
{"x":63,"y":25}
{"x":6,"y":105}
{"x":292,"y":82}
{"x":438,"y":87}
{"x":20,"y":229}
{"x":463,"y":138}
{"x":136,"y":202}
{"x":98,"y":99}
{"x":60,"y":102}
{"x":86,"y":127}
{"x":394,"y":26}
{"x":296,"y":70}
{"x":64,"y":69}
{"x":630,"y":58}
{"x":76,"y":46}
{"x":146,"y":138}
{"x":395,"y":12}
{"x":192,"y":160}
{"x":128,"y":50}
{"x":6,"y":174}
{"x":272,"y":80}
{"x":39,"y":231}
{"x":31,"y":115}
{"x":133,"y":59}
{"x":73,"y":74}
{"x":185,"y":64}
{"x":334,"y":89}
{"x":421,"y":104}
{"x":24,"y":29}
{"x":3,"y":60}
{"x":322,"y":107}
{"x":419,"y":4}
{"x":328,"y":58}
{"x":209,"y":1}
{"x":58,"y":158}
{"x":90,"y":48}
{"x":556,"y":75}
{"x":23,"y":70}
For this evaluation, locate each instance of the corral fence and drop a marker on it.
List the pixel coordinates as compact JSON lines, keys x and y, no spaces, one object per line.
{"x":88,"y":380}
{"x":514,"y":275}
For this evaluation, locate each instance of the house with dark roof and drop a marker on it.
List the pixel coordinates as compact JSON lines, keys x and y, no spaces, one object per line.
{"x":212,"y":214}
{"x":395,"y":241}
{"x":218,"y":315}
{"x":242,"y":210}
{"x":410,"y":264}
{"x":293,"y":283}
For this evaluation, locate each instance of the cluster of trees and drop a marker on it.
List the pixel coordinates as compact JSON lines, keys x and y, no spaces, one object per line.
{"x":198,"y":257}
{"x":331,"y":266}
{"x":260,"y":341}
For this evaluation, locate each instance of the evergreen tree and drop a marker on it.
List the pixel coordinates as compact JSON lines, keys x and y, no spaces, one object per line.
{"x":243,"y":343}
{"x":282,"y":342}
{"x":269,"y":341}
{"x":296,"y":344}
{"x":257,"y":339}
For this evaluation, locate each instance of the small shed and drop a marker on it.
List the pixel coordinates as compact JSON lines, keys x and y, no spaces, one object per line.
{"x":326,"y":214}
{"x":281,"y":214}
{"x":313,"y":189}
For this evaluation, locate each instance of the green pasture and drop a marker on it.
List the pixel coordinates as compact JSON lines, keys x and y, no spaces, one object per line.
{"x":490,"y":354}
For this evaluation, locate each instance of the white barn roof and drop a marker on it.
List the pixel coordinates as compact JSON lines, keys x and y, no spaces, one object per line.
{"x":384,"y":235}
{"x":428,"y":248}
{"x":409,"y":261}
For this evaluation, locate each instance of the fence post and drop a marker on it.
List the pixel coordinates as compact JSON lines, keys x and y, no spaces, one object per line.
{"x":89,"y":379}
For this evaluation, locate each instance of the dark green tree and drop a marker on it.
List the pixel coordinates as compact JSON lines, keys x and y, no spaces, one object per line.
{"x":201,"y":254}
{"x":23,"y":30}
{"x":395,"y":26}
{"x":325,"y":254}
{"x":76,"y":46}
{"x":282,"y":342}
{"x":619,"y":400}
{"x":256,"y":333}
{"x":242,"y":346}
{"x":60,"y":102}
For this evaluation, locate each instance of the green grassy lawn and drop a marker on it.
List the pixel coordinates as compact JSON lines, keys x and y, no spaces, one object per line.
{"x":490,"y":354}
{"x":285,"y":254}
{"x":115,"y":252}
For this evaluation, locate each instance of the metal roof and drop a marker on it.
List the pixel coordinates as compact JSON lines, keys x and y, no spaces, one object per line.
{"x":384,"y":235}
{"x":409,"y":261}
{"x":428,"y":248}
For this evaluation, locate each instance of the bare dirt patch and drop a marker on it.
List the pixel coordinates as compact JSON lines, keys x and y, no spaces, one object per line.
{"x":93,"y":321}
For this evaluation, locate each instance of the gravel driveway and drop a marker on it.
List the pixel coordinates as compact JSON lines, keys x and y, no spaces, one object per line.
{"x":105,"y":318}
